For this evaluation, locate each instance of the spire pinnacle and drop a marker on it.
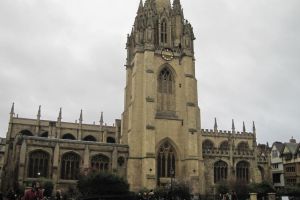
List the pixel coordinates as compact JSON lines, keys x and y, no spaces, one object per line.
{"x":101,"y":119}
{"x":233,"y":126}
{"x":140,"y":6}
{"x":12,"y":110}
{"x":244,"y":127}
{"x":39,"y":112}
{"x":216,"y":125}
{"x":254,"y":129}
{"x":59,"y":115}
{"x":80,"y":117}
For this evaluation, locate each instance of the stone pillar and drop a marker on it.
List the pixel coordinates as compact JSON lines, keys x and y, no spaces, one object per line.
{"x":271,"y":196}
{"x":55,"y":168}
{"x":253,"y":196}
{"x":104,"y":136}
{"x":86,"y":159}
{"x":114,"y":160}
{"x":22,"y":162}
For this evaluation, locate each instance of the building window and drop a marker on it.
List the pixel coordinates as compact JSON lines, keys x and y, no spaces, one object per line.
{"x":207,"y":146}
{"x":243,"y":146}
{"x":220,"y":171}
{"x":26,"y":133}
{"x":274,"y":153}
{"x":70,"y":166}
{"x":224,"y":146}
{"x":290,"y":169}
{"x":163,"y":32}
{"x":275,"y":166}
{"x":38,"y":164}
{"x":242,"y":171}
{"x":110,"y":140}
{"x":291,"y":181}
{"x":68,"y":136}
{"x":100,"y":163}
{"x":166,"y":92}
{"x":276,"y":178}
{"x":166,"y":161}
{"x":89,"y":138}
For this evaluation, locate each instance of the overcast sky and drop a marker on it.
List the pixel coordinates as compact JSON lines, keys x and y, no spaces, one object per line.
{"x":71,"y":54}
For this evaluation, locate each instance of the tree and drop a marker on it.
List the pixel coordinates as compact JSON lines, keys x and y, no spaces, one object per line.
{"x":102,"y":184}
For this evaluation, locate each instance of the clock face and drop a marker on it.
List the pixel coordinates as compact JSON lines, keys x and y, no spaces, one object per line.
{"x":167,"y":54}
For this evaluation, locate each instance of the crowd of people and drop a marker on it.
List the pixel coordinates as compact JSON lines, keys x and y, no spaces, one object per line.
{"x":228,"y":196}
{"x":36,"y":192}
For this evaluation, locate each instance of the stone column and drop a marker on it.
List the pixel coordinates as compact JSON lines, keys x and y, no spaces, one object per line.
{"x":114,"y":160}
{"x":55,"y":168}
{"x":22,"y":162}
{"x":86,"y":159}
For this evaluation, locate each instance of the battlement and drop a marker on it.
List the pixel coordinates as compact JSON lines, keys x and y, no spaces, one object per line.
{"x":225,"y":132}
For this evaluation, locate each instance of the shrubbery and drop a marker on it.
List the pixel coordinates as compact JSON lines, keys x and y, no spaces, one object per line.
{"x":102,"y":184}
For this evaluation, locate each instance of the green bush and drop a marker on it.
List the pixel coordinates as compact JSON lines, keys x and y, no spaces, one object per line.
{"x":102,"y":184}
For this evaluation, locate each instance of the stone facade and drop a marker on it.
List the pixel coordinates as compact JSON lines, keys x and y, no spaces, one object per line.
{"x":159,"y":137}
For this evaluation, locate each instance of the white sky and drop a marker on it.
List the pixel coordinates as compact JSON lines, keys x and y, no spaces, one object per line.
{"x":71,"y":54}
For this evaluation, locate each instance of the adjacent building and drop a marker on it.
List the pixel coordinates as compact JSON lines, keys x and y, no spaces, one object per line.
{"x":277,"y":164}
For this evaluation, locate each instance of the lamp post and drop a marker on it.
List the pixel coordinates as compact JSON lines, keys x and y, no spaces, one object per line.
{"x":172,"y":173}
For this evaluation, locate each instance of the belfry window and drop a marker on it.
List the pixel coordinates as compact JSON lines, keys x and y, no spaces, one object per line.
{"x":242,"y":171}
{"x":166,"y":90}
{"x":38,"y":164}
{"x":163,"y":32}
{"x":70,"y":166}
{"x":207,"y":146}
{"x":100,"y":163}
{"x":166,"y":161}
{"x":220,"y":171}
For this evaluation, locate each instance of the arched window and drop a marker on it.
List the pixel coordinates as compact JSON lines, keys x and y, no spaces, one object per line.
{"x":220,"y":171}
{"x":242,"y":171}
{"x":100,"y":163}
{"x":44,"y":134}
{"x":68,"y":136}
{"x":166,"y":161}
{"x":207,"y":146}
{"x":166,"y":90}
{"x":90,"y":138}
{"x":26,"y":133}
{"x":38,"y":164}
{"x":224,"y":146}
{"x":164,"y":32}
{"x":70,"y":166}
{"x":243,"y":146}
{"x":110,"y":140}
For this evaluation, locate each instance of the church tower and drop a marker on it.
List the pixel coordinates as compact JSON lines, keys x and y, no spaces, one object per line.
{"x":161,"y":118}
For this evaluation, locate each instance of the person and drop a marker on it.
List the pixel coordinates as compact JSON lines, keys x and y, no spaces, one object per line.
{"x":58,"y":196}
{"x":11,"y":195}
{"x":234,"y":196}
{"x":34,"y":193}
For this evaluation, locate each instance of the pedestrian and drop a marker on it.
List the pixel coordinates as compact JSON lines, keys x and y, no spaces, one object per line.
{"x":11,"y":195}
{"x":35,"y":193}
{"x":57,"y":195}
{"x":234,"y":196}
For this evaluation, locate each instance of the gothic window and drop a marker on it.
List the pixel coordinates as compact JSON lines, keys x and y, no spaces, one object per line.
{"x":110,"y":140}
{"x":243,"y":146}
{"x":207,"y":146}
{"x":38,"y":164}
{"x":26,"y":133}
{"x":68,"y":136}
{"x":70,"y":166}
{"x":166,"y":92}
{"x":166,"y":161}
{"x":163,"y":32}
{"x":100,"y":163}
{"x":242,"y":171}
{"x":224,"y":146}
{"x":89,"y":138}
{"x":220,"y":171}
{"x":44,"y":134}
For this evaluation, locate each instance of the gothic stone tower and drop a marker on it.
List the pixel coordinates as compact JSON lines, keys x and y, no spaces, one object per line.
{"x":161,"y":116}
